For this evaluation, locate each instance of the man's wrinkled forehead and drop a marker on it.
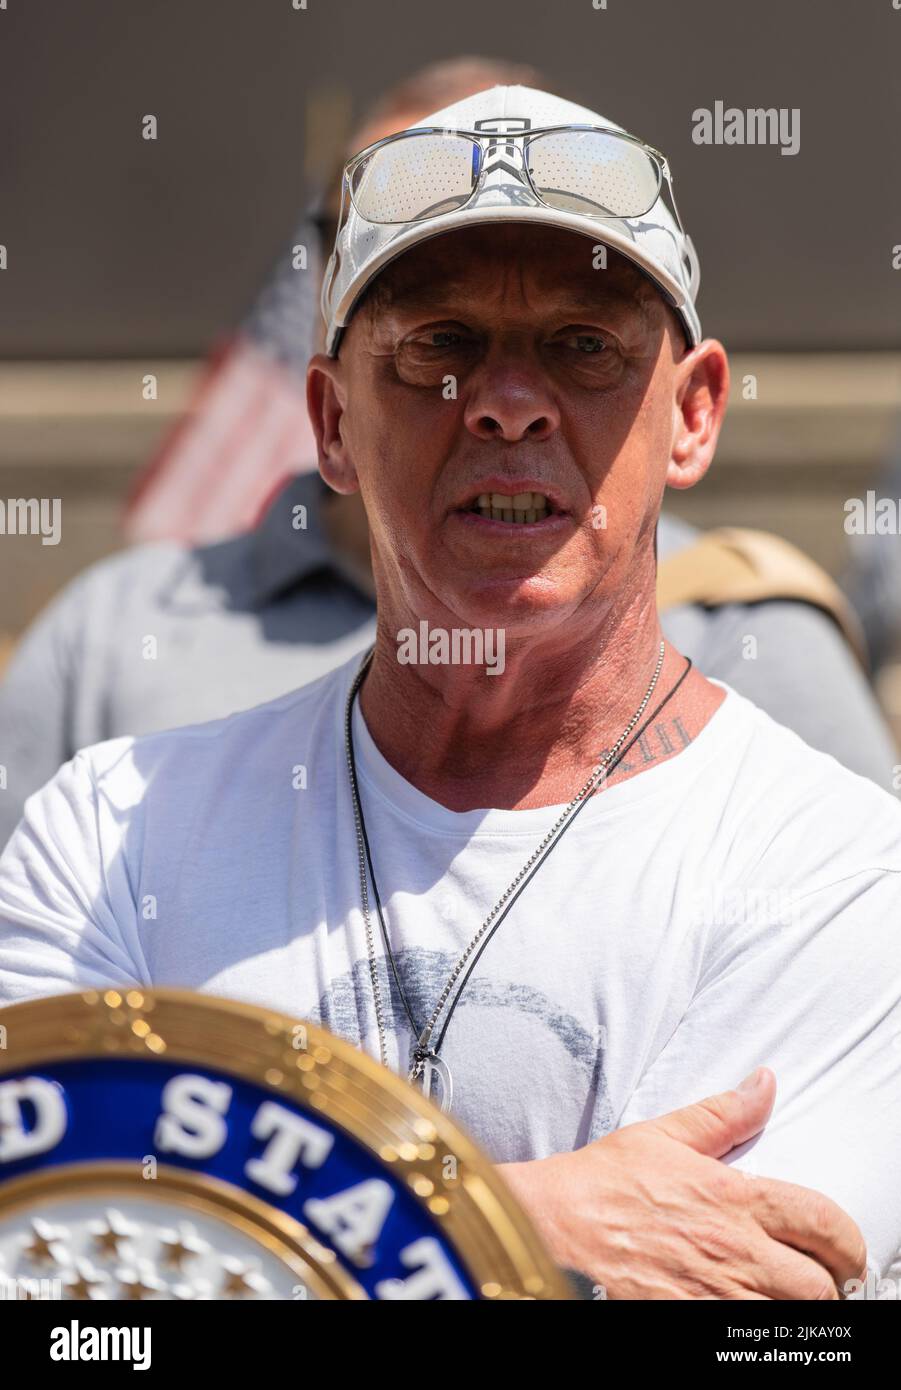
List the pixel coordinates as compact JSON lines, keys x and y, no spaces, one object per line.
{"x":466,"y":265}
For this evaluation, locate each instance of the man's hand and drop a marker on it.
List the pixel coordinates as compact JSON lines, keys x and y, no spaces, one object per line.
{"x":648,"y":1211}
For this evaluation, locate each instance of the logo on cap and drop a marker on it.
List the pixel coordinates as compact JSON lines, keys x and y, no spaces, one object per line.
{"x":498,"y":151}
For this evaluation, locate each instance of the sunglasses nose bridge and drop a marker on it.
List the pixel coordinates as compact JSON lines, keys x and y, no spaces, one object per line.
{"x":501,"y":144}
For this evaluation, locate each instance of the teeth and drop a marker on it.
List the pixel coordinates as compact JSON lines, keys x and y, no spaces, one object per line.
{"x":520,"y":507}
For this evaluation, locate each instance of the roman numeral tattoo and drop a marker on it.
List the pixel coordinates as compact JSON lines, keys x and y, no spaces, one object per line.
{"x":664,"y":738}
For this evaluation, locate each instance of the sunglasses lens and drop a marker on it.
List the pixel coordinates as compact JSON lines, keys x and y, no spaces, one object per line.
{"x":614,"y":177}
{"x":419,"y":176}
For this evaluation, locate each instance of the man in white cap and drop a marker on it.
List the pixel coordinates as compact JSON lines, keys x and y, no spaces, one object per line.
{"x":522,"y":851}
{"x":240,"y":621}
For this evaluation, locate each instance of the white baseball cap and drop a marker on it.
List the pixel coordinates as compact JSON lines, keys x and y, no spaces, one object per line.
{"x":398,"y":186}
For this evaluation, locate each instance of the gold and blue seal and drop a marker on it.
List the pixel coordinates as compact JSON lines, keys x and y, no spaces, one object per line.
{"x":170,"y":1145}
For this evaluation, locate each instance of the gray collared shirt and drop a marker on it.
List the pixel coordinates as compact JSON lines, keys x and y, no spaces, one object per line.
{"x":162,"y":635}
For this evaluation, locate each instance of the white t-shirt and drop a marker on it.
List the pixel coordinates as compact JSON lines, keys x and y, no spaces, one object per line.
{"x":737,"y":904}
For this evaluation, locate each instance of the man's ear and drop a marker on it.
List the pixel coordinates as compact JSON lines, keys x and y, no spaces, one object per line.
{"x":326,"y":399}
{"x":702,"y":392}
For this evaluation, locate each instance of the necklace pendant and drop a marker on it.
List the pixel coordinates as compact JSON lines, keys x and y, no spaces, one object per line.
{"x":427,"y":1065}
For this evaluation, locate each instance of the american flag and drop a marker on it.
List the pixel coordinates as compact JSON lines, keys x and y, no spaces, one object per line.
{"x":246,"y":430}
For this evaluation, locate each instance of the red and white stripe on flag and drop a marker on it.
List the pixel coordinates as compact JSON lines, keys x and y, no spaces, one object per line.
{"x":246,"y":432}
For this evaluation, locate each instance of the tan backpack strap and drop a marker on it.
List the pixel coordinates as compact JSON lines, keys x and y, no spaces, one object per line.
{"x":734,"y":565}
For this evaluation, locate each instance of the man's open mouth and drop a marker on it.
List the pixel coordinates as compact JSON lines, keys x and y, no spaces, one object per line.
{"x":518,"y":508}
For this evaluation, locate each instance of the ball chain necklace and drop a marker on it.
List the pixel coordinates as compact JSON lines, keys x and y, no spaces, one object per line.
{"x":425,"y":1061}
